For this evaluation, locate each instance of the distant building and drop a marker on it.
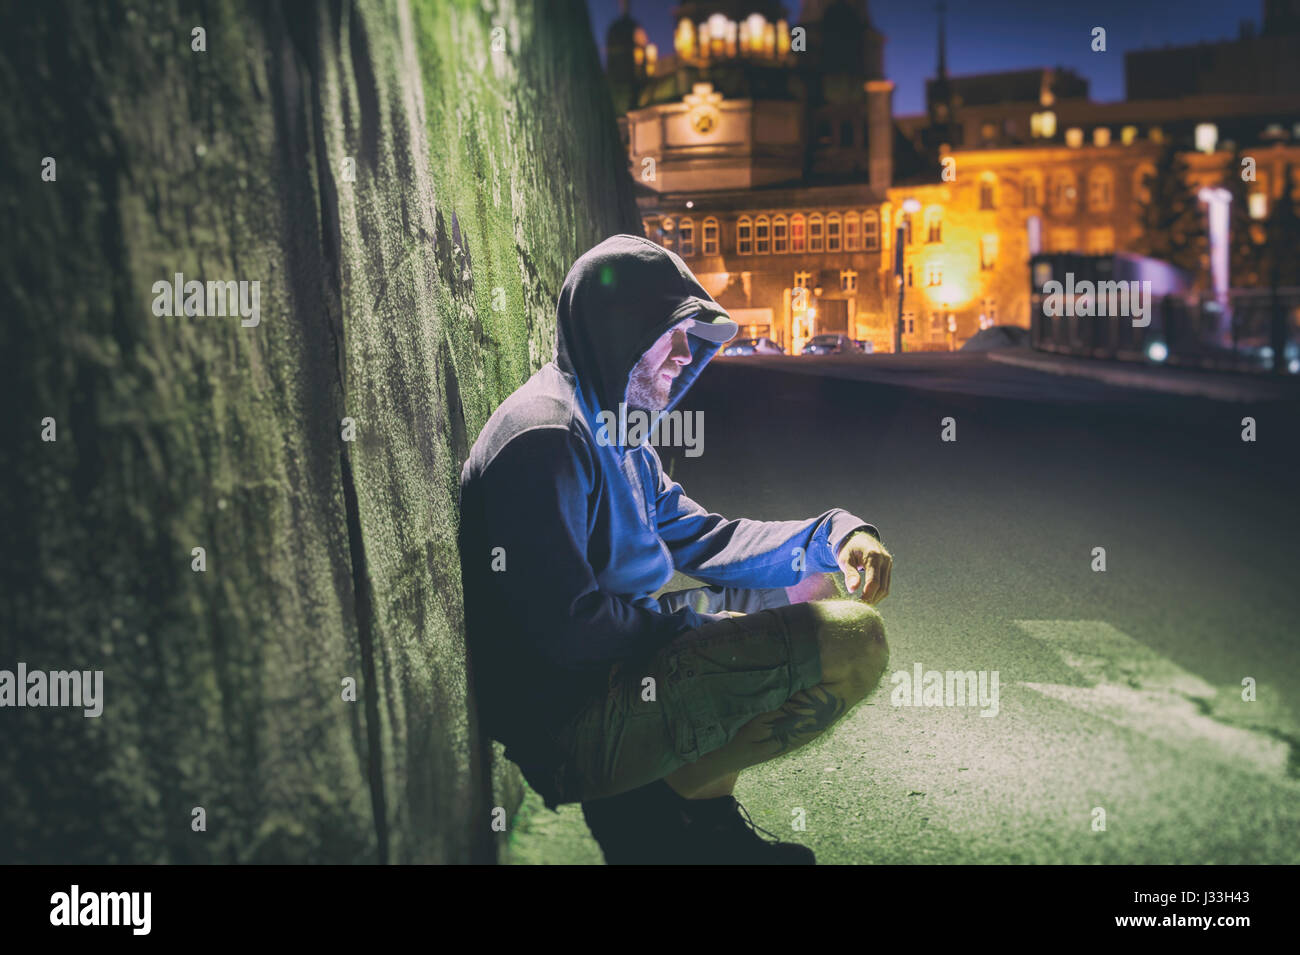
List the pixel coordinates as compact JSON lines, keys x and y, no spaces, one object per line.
{"x":1251,"y":65}
{"x":767,"y":155}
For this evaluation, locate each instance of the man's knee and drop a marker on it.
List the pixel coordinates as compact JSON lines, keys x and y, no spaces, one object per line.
{"x":852,"y":639}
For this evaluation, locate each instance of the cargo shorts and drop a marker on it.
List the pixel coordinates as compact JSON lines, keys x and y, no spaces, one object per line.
{"x":707,"y":684}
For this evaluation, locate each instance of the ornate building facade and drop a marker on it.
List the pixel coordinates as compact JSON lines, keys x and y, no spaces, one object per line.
{"x":767,"y":155}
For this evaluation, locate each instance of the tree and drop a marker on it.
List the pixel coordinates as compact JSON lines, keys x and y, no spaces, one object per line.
{"x":1172,"y":220}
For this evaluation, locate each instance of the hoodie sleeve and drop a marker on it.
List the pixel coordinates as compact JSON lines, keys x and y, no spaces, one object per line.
{"x":540,"y":485}
{"x":745,"y":553}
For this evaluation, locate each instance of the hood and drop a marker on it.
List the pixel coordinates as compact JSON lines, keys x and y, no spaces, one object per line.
{"x":617,"y":300}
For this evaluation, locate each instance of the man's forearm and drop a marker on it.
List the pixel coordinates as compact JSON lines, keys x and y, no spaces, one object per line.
{"x":816,"y":586}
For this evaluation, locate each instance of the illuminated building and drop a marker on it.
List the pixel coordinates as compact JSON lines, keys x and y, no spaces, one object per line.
{"x":766,"y":153}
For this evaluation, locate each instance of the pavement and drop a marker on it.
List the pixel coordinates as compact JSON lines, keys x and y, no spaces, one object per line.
{"x":1217,"y":385}
{"x":1146,"y":713}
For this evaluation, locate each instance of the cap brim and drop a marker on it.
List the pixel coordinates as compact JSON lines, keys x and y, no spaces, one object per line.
{"x":717,"y":329}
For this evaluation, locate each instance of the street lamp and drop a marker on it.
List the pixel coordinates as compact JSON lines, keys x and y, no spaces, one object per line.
{"x":910,"y":207}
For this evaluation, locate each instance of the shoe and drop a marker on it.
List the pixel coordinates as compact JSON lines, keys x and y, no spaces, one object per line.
{"x":721,"y":832}
{"x":653,"y":825}
{"x":643,"y":826}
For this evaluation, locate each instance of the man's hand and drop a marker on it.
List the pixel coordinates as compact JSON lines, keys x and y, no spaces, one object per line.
{"x":862,"y":553}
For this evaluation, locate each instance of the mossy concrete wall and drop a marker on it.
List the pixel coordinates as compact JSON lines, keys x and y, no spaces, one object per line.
{"x":409,"y":199}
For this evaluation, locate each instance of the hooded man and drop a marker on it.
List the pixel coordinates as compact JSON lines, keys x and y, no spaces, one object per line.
{"x":643,"y":709}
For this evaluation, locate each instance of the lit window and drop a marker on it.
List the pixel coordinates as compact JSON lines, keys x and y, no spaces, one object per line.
{"x":797,"y":233}
{"x":934,"y":274}
{"x":1128,"y":134}
{"x":814,"y":233}
{"x":989,"y":252}
{"x":1074,"y":137}
{"x":1157,"y":134}
{"x":1101,"y":136}
{"x":1063,"y":192}
{"x":870,"y":232}
{"x":761,"y":227}
{"x":686,"y":237}
{"x":1258,"y":205}
{"x":934,"y":225}
{"x":744,"y":236}
{"x":1100,"y":190}
{"x":710,"y":236}
{"x":801,"y":279}
{"x":986,"y":193}
{"x":989,"y":313}
{"x":684,"y":38}
{"x":779,"y":241}
{"x":1064,"y":240}
{"x":1033,"y":191}
{"x":1207,"y":137}
{"x":936,"y":326}
{"x":1101,"y":241}
{"x":833,"y":232}
{"x":848,"y":280}
{"x":1042,"y":125}
{"x":988,"y":132}
{"x":851,"y":231}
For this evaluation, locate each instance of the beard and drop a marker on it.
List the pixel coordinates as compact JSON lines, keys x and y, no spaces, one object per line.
{"x":647,"y":391}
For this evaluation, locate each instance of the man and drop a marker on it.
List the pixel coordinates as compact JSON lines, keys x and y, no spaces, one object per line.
{"x":646,"y":710}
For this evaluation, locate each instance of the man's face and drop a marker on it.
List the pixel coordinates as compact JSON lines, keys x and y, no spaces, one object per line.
{"x":652,"y":378}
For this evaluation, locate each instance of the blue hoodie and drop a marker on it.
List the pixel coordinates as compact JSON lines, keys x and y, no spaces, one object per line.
{"x":564,"y":537}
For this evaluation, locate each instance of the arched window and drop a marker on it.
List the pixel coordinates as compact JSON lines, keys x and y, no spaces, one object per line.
{"x":815,"y":233}
{"x":870,"y":232}
{"x":779,"y":234}
{"x":987,"y":194}
{"x":1101,"y":189}
{"x":744,"y":236}
{"x":1063,"y":191}
{"x":833,"y":232}
{"x":934,"y":224}
{"x":988,"y":252}
{"x":1033,"y":185}
{"x":710,"y":236}
{"x":851,"y":237}
{"x":761,"y":227}
{"x":798,"y":235}
{"x":686,"y":237}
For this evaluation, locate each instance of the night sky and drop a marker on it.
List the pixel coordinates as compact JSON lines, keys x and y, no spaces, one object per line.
{"x":991,"y":35}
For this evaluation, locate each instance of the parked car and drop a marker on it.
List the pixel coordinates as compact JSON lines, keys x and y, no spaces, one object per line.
{"x":865,"y":346}
{"x":830,"y":345}
{"x":753,"y":346}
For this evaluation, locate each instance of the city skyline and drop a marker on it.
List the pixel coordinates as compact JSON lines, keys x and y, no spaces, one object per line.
{"x":978,"y":40}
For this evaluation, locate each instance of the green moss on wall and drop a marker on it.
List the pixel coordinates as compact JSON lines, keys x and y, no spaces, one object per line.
{"x":412,"y":300}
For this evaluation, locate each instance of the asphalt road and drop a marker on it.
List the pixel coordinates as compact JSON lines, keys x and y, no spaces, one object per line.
{"x":1121,"y":734}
